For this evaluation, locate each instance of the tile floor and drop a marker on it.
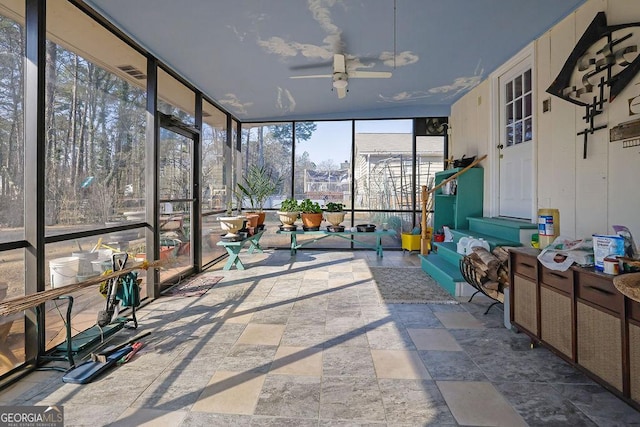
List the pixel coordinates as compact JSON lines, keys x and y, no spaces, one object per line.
{"x":306,"y":342}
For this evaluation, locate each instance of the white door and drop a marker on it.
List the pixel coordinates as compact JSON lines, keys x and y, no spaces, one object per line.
{"x":516,"y":143}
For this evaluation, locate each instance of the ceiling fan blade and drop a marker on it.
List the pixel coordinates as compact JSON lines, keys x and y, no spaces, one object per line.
{"x":312,"y":76}
{"x":310,"y":66}
{"x":342,"y":92}
{"x":339,"y":63}
{"x":370,"y":74}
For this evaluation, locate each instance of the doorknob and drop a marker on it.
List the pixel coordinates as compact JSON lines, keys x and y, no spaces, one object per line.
{"x":500,"y":147}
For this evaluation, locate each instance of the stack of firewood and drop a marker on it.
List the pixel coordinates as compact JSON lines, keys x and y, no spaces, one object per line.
{"x":491,"y":270}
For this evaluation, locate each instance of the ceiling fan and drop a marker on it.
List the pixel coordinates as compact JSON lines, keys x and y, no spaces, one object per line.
{"x":341,"y":77}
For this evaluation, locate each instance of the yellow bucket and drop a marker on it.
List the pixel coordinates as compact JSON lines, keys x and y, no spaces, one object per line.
{"x":411,"y":242}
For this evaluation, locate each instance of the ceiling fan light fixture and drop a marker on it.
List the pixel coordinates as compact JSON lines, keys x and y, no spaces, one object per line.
{"x":340,"y":84}
{"x":340,"y":80}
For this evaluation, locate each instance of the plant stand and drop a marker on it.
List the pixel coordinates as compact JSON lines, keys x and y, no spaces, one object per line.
{"x":352,"y":236}
{"x":234,"y":248}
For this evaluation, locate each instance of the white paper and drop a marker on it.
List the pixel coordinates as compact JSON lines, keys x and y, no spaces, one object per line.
{"x":563,"y":252}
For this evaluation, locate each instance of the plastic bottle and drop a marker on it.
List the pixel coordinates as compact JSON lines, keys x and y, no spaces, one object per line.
{"x":548,"y":226}
{"x":463,"y":245}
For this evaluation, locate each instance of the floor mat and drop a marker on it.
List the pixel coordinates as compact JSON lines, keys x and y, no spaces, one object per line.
{"x":195,"y":287}
{"x":409,"y":286}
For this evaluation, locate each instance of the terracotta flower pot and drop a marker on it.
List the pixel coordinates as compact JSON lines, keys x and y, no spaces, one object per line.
{"x":253,"y":219}
{"x":262,"y":215}
{"x":311,"y":220}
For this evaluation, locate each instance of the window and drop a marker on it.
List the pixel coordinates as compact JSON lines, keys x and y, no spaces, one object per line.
{"x":12,"y":39}
{"x":96,"y":123}
{"x":269,"y":146}
{"x":323,"y":162}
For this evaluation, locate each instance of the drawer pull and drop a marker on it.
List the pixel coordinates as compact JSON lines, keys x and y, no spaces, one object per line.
{"x":523,"y":264}
{"x":603,"y":291}
{"x":558,"y":276}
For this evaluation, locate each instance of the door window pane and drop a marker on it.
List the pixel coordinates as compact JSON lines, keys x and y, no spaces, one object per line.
{"x":174,"y":184}
{"x":527,"y":81}
{"x":174,"y":167}
{"x":213,"y":140}
{"x":175,"y":99}
{"x":517,"y":87}
{"x":508,"y":91}
{"x":509,"y":135}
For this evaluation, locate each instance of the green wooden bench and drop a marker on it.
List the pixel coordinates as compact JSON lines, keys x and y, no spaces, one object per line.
{"x":234,"y":248}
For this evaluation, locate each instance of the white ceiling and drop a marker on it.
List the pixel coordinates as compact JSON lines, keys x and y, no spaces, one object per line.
{"x":242,"y":53}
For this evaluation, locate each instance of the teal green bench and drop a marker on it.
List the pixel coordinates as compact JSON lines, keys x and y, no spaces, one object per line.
{"x":347,"y":234}
{"x":234,"y":248}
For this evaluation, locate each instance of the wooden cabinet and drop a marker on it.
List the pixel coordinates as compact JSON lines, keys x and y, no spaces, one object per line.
{"x":464,"y":201}
{"x":581,"y":316}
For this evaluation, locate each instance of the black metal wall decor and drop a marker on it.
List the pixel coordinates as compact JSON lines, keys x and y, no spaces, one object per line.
{"x":600,"y":59}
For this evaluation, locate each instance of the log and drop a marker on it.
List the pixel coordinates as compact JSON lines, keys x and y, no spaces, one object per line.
{"x":489,"y":260}
{"x":501,"y":253}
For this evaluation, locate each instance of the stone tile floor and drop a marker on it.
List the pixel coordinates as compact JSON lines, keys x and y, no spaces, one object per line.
{"x":305,"y":341}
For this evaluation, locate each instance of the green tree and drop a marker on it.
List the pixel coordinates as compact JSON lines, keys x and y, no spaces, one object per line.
{"x":284,"y":134}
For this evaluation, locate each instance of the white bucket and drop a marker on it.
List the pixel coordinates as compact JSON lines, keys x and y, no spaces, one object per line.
{"x":64,"y":271}
{"x":99,"y":266}
{"x":84,"y":261}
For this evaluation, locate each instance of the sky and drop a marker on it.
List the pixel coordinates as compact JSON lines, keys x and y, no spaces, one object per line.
{"x":332,"y":140}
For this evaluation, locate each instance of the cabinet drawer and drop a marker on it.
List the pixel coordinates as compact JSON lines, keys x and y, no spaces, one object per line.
{"x":524,"y":265}
{"x":561,"y":280}
{"x":600,"y":291}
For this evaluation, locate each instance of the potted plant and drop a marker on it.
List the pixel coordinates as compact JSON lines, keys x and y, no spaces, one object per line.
{"x":289,"y":211}
{"x":258,"y":184}
{"x":311,"y":214}
{"x":334,"y":214}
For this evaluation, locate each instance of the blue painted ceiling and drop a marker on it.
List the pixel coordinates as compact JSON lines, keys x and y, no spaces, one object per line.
{"x":242,"y":53}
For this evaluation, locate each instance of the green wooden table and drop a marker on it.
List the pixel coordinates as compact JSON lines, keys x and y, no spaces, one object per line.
{"x":234,"y":248}
{"x":353,"y":236}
